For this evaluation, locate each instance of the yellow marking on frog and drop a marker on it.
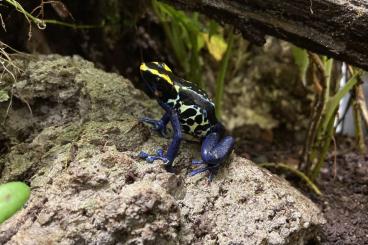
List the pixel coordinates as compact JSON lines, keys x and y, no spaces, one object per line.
{"x":177,"y":88}
{"x":167,"y":68}
{"x":144,"y":67}
{"x":164,"y":76}
{"x":163,"y":66}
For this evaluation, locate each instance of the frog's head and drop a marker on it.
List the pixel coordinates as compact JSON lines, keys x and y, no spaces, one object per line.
{"x":158,"y":78}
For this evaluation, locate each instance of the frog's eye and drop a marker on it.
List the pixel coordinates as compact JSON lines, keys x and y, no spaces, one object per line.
{"x":164,"y":78}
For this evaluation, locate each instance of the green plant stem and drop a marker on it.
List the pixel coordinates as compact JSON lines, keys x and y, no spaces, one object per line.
{"x":325,"y":145}
{"x":328,"y":64}
{"x":28,"y":16}
{"x":41,"y":23}
{"x":361,"y":100}
{"x":221,"y":76}
{"x":311,"y":133}
{"x":296,"y":172}
{"x":359,"y":135}
{"x":362,"y":114}
{"x":325,"y":69}
{"x":344,"y":113}
{"x":315,"y":133}
{"x":326,"y":129}
{"x":71,"y":25}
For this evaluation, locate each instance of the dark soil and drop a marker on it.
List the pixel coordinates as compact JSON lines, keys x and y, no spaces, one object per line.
{"x":345,"y":200}
{"x":344,"y":184}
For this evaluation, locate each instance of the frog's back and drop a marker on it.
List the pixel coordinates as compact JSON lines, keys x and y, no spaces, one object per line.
{"x":196,"y":111}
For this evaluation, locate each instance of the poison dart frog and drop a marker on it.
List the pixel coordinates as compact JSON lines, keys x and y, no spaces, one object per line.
{"x":190,"y":111}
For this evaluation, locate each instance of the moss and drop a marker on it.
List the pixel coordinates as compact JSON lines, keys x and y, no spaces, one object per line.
{"x":20,"y":163}
{"x":75,"y":107}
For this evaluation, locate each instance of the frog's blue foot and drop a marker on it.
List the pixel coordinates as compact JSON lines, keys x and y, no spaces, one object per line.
{"x":151,"y":158}
{"x":198,"y":170}
{"x":158,"y":125}
{"x":214,"y":152}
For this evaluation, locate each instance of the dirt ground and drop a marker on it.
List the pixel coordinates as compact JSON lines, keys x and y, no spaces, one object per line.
{"x":345,"y":200}
{"x":344,"y":184}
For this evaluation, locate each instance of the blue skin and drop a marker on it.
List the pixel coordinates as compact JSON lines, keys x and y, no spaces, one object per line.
{"x":214,"y":150}
{"x":215,"y":146}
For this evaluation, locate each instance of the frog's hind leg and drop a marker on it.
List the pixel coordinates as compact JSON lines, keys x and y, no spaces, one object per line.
{"x":214,"y":152}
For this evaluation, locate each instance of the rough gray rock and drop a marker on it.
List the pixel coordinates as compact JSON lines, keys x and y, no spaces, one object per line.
{"x":89,"y":187}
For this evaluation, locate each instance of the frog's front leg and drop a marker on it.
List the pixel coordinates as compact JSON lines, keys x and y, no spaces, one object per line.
{"x":214,"y":152}
{"x":158,"y":125}
{"x":174,"y":146}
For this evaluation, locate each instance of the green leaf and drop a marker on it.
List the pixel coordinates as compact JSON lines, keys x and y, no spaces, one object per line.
{"x":13,"y":196}
{"x":4,"y":96}
{"x":301,"y":59}
{"x":334,"y":101}
{"x":298,"y":173}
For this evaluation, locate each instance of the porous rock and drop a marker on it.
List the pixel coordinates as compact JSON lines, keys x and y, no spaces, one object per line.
{"x":89,"y":186}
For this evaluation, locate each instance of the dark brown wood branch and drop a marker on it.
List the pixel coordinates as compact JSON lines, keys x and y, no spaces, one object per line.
{"x":336,"y":28}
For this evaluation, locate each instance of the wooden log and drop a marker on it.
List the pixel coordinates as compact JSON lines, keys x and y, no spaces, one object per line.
{"x":336,"y":28}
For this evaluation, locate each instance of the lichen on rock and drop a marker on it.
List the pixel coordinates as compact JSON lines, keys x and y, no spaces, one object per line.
{"x":79,"y":154}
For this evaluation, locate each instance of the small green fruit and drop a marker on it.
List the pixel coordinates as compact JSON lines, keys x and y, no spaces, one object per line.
{"x":13,"y":196}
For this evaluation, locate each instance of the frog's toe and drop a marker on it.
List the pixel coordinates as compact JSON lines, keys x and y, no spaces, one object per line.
{"x":156,"y":124}
{"x":151,"y":158}
{"x":197,"y":162}
{"x":143,"y":155}
{"x":198,"y":171}
{"x":160,"y":152}
{"x":148,"y":120}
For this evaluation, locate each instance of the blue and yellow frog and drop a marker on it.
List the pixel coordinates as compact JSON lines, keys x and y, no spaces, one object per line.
{"x":190,"y":111}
